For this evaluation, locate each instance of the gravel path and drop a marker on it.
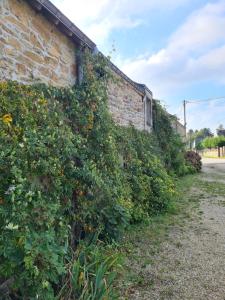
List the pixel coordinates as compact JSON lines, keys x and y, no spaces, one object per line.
{"x":190,"y":264}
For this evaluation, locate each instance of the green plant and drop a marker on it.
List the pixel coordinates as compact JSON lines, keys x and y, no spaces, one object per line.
{"x":36,"y":146}
{"x":91,"y":273}
{"x":213,"y":142}
{"x":170,"y":143}
{"x":149,"y":187}
{"x":68,"y":172}
{"x":60,"y":180}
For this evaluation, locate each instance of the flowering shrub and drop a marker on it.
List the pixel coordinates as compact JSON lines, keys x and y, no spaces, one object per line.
{"x":68,"y":172}
{"x":36,"y":146}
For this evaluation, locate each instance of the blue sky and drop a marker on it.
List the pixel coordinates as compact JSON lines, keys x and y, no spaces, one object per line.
{"x":176,"y":47}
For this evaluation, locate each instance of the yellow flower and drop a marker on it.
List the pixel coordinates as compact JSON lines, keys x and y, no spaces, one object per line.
{"x":3,"y":85}
{"x":88,"y":228}
{"x":81,"y":278}
{"x":42,"y":101}
{"x":7,"y":119}
{"x":80,"y":193}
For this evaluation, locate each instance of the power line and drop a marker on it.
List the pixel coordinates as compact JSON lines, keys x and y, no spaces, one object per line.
{"x":205,"y":100}
{"x":196,"y":101}
{"x":185,"y":102}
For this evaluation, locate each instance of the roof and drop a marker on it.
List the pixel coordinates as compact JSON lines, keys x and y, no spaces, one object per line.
{"x":143,"y":87}
{"x":138,"y":87}
{"x":53,"y":14}
{"x":59,"y":19}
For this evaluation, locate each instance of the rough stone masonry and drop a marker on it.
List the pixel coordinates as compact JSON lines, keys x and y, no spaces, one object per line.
{"x":126,"y":104}
{"x":33,"y":49}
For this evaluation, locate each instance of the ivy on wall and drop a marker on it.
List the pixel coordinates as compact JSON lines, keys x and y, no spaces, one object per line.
{"x":170,"y":143}
{"x":68,"y":173}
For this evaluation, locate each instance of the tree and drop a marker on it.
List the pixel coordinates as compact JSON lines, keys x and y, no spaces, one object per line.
{"x":199,"y":146}
{"x":198,"y":136}
{"x":220,"y":130}
{"x":203,"y":133}
{"x":214,"y":142}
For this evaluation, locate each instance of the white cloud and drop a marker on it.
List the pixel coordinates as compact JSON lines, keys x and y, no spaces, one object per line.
{"x":195,"y":52}
{"x":97,"y":18}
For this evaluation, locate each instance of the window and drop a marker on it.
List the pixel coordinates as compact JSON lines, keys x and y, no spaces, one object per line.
{"x":148,"y":112}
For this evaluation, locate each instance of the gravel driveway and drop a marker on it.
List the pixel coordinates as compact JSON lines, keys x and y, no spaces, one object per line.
{"x":213,"y":165}
{"x":190,"y":264}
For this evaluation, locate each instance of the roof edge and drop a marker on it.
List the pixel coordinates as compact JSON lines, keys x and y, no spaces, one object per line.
{"x":125,"y":77}
{"x":72,"y":31}
{"x":60,"y":18}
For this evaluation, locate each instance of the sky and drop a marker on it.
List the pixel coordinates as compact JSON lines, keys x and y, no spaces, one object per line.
{"x":175,"y":47}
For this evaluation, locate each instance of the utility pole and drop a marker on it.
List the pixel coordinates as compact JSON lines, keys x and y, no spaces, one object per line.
{"x":185,"y":102}
{"x":185,"y":120}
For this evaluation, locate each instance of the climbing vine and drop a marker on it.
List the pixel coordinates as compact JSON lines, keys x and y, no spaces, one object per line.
{"x":170,"y":143}
{"x":68,"y":173}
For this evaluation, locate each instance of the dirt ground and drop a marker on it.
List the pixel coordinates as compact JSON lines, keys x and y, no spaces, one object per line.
{"x":213,"y":166}
{"x":188,"y":263}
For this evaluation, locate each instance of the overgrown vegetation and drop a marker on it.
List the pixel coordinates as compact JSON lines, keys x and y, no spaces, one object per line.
{"x":193,"y":159}
{"x":171,"y":146}
{"x":68,"y":173}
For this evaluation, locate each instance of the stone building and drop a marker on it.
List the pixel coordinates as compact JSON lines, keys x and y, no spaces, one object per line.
{"x":40,"y":44}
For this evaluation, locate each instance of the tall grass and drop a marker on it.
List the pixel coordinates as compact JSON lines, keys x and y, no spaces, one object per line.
{"x":91,"y":273}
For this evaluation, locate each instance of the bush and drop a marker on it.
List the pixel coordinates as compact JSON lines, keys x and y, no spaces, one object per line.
{"x":62,"y":180}
{"x":193,"y":159}
{"x":36,"y":146}
{"x":66,"y":172}
{"x":149,"y":187}
{"x":170,"y":143}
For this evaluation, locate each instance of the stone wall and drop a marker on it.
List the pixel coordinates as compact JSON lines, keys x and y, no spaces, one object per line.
{"x":126,"y":104}
{"x":32,"y":49}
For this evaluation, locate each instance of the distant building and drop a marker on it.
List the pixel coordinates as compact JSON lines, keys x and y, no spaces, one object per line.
{"x":220,"y":131}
